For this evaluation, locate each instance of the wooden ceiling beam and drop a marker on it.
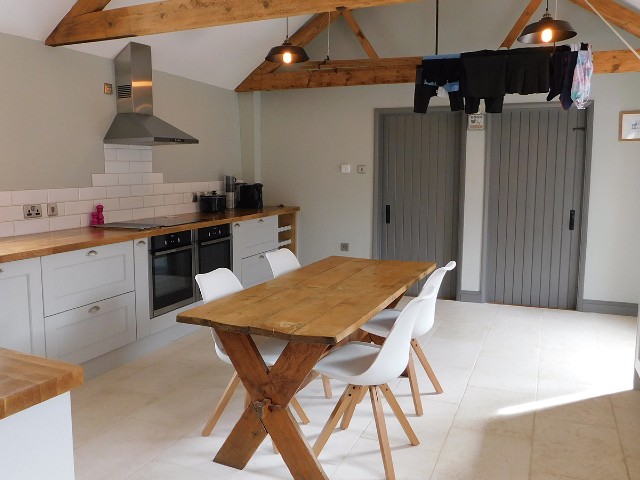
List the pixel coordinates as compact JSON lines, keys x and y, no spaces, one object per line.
{"x":176,"y":15}
{"x":623,"y":17}
{"x":394,"y":70}
{"x":522,"y":22}
{"x":357,"y":31}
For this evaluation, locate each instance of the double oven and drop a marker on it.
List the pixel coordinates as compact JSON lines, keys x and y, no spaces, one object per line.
{"x":176,"y":258}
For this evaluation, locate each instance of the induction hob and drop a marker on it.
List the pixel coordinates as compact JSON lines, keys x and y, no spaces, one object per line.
{"x":154,"y":222}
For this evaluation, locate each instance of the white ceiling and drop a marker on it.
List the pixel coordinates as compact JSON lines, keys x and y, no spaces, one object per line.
{"x":225,"y":55}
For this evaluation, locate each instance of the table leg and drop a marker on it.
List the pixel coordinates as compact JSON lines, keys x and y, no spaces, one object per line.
{"x":270,"y":392}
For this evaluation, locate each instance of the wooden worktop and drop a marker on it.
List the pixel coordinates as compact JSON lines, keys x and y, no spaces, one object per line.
{"x":40,"y":244}
{"x":27,"y":380}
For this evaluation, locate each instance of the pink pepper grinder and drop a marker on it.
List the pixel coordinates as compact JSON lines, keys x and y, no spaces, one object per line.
{"x":94,"y":218}
{"x":99,"y":209}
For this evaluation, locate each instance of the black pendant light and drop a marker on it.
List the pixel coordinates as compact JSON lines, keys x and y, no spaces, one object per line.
{"x":547,"y":30}
{"x":287,"y":53}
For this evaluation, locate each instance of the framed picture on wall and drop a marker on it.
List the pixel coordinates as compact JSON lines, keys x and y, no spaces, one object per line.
{"x":629,"y":126}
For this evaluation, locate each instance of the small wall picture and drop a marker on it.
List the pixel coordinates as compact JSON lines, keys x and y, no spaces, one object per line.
{"x":475,"y":121}
{"x":630,"y":126}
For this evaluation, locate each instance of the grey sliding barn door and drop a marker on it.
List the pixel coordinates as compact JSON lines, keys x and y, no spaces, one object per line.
{"x":419,"y":182}
{"x":537,"y":164}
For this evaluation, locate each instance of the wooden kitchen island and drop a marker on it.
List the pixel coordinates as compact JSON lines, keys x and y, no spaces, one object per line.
{"x":35,"y":416}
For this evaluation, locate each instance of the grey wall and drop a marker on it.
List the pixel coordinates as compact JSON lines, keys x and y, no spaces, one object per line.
{"x":54,"y":116}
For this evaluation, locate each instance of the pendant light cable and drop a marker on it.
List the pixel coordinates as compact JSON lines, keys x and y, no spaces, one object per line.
{"x":613,"y":29}
{"x":328,"y":34}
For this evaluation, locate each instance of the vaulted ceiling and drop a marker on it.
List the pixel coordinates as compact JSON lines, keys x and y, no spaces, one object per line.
{"x":226,"y":54}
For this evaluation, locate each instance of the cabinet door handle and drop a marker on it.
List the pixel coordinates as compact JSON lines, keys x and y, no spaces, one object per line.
{"x":261,"y":257}
{"x":261,"y":221}
{"x":94,"y":309}
{"x":91,"y":253}
{"x":236,"y":224}
{"x":1,"y":270}
{"x":142,"y":243}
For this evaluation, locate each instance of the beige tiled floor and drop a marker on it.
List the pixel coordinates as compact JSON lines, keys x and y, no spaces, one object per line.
{"x":528,"y":394}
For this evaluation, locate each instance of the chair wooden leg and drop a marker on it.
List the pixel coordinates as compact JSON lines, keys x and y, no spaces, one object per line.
{"x":222,"y":404}
{"x":299,"y":410}
{"x":393,"y":403}
{"x":383,"y":437}
{"x":326,"y":384}
{"x":425,"y":365}
{"x":337,"y":412}
{"x":413,"y":383}
{"x":358,"y":394}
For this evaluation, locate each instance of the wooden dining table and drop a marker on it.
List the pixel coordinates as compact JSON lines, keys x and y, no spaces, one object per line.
{"x":314,"y":308}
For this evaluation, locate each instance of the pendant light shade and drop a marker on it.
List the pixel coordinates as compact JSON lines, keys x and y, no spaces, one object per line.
{"x":287,"y":53}
{"x":547,"y":30}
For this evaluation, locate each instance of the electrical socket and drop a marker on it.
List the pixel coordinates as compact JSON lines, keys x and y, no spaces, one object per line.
{"x":52,"y":209}
{"x":32,"y":211}
{"x":194,"y":197}
{"x":344,"y":247}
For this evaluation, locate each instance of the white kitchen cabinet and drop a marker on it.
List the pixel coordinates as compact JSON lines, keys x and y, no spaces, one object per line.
{"x":143,"y":308}
{"x":91,"y":330}
{"x":251,"y":239}
{"x":21,"y":313}
{"x":77,"y":278}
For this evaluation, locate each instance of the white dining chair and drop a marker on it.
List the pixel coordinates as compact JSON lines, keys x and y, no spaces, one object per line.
{"x":380,"y":326}
{"x":284,"y":261}
{"x":366,"y":365}
{"x":217,"y":284}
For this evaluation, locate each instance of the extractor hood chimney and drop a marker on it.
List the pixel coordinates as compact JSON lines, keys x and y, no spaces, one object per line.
{"x":135,"y":123}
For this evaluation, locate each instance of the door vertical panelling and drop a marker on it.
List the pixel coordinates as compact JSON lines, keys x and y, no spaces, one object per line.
{"x":406,"y":186}
{"x":390,"y":244}
{"x":537,"y":161}
{"x":399,"y":207}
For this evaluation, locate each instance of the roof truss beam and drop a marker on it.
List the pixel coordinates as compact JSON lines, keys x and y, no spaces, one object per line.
{"x":88,"y":22}
{"x":622,"y":17}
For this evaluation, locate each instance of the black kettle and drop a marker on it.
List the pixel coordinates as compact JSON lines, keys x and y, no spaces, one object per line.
{"x":250,"y":196}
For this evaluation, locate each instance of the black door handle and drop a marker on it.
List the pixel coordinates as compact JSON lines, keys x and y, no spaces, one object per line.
{"x":572,"y":219}
{"x":388,"y":214}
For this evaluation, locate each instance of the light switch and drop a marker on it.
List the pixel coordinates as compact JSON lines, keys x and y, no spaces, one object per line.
{"x":345,"y":168}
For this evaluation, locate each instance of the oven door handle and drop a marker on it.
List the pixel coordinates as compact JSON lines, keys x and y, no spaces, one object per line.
{"x":173,"y":250}
{"x":212,"y":242}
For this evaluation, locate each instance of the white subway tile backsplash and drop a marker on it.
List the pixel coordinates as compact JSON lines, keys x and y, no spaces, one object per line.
{"x":174,"y":199}
{"x":26,"y":227}
{"x":9,"y":214}
{"x":110,"y":154}
{"x":162,"y":188}
{"x":139,"y":213}
{"x":131,"y":202}
{"x":217,"y":186}
{"x":104,"y":179}
{"x":62,"y":223}
{"x":140,"y":167}
{"x":199,"y":186}
{"x":128,"y":155}
{"x":146,"y":155}
{"x":152,"y":178}
{"x":63,"y":195}
{"x":116,"y":167}
{"x":75,"y":208}
{"x":24,"y":197}
{"x":130,"y":178}
{"x":85,"y":220}
{"x":186,"y":208}
{"x":181,"y":187}
{"x":165,"y":210}
{"x":108,"y":204}
{"x":187,"y":197}
{"x":153,"y":200}
{"x":5,"y":199}
{"x":141,"y":190}
{"x":119,"y":191}
{"x":120,"y":216}
{"x":6,"y":229}
{"x":92,"y":193}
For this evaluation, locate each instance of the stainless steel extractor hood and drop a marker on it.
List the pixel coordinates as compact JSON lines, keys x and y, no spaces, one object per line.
{"x":135,"y":123}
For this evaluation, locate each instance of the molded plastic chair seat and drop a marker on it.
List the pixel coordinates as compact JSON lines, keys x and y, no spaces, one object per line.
{"x":382,"y":324}
{"x":363,"y":365}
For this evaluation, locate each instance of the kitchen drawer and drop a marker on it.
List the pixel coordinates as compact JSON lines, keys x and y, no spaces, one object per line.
{"x":81,"y":277}
{"x":254,"y":270}
{"x":255,"y":236}
{"x":83,"y":333}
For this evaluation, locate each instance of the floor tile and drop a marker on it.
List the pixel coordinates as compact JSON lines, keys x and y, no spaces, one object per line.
{"x":628,"y":421}
{"x":577,"y":450}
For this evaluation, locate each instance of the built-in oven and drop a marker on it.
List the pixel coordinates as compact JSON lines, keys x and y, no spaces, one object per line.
{"x":214,"y":248}
{"x":172,"y":268}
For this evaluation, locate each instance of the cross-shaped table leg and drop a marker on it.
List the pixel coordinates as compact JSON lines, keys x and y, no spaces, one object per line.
{"x":270,"y":391}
